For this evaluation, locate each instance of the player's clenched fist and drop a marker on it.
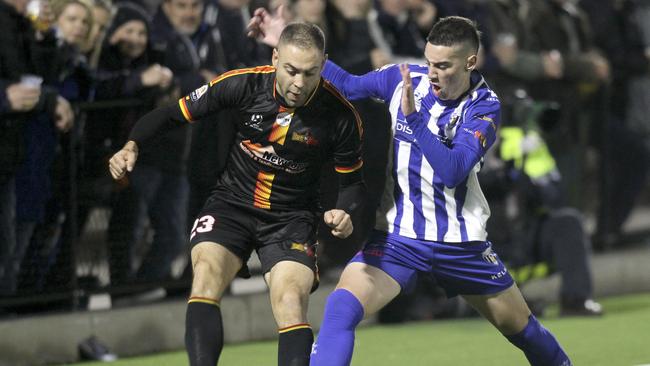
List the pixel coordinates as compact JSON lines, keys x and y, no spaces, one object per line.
{"x":340,"y":222}
{"x":124,"y":160}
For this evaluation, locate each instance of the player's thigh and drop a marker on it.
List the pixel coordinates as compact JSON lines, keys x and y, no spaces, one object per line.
{"x":290,"y":283}
{"x":214,"y":267}
{"x":506,"y":310}
{"x":373,"y":287}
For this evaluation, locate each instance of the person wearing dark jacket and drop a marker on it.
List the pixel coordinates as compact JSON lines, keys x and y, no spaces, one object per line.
{"x":128,"y":68}
{"x":195,"y":52}
{"x":26,"y":53}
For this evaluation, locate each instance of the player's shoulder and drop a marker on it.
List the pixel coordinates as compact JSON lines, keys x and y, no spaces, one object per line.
{"x":336,"y":103}
{"x":246,"y":75}
{"x":333,"y":98}
{"x":481,"y":94}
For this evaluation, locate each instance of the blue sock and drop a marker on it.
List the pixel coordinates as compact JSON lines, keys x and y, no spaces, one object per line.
{"x":539,"y":345}
{"x":335,"y":341}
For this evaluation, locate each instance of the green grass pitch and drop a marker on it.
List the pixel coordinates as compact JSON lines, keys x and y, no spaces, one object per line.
{"x":620,"y":338}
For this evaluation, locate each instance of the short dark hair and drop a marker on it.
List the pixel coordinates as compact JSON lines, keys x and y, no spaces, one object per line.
{"x":450,"y":31}
{"x":303,"y":35}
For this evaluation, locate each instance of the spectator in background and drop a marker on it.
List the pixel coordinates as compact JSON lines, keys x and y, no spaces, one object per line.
{"x":127,"y":70}
{"x":42,"y":189}
{"x":562,"y":30}
{"x":638,"y":88}
{"x":229,"y":19}
{"x":511,"y":59}
{"x":533,"y":229}
{"x":195,"y":52}
{"x":400,"y":29}
{"x":619,"y":35}
{"x":424,"y":13}
{"x":26,"y":52}
{"x":355,"y":39}
{"x":102,"y":13}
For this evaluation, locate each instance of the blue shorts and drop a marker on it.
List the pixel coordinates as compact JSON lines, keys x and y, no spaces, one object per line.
{"x":469,"y":268}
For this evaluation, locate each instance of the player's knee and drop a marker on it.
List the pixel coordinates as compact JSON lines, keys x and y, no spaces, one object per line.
{"x":343,"y":309}
{"x":290,"y":301}
{"x":290,"y":307}
{"x":511,"y":323}
{"x":207,"y":280}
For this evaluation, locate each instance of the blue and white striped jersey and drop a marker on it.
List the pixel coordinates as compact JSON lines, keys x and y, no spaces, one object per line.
{"x":432,"y":191}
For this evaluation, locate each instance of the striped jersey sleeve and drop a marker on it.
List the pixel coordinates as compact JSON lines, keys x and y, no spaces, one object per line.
{"x":227,"y":90}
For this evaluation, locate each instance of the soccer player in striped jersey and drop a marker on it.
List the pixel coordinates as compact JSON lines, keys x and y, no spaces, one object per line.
{"x":432,"y":215}
{"x":291,"y":122}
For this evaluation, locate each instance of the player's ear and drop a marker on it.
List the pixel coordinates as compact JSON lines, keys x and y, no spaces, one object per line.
{"x":471,"y":63}
{"x":274,"y":58}
{"x":324,"y":60}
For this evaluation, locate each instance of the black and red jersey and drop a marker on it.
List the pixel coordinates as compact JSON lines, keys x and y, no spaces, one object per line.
{"x":278,"y":154}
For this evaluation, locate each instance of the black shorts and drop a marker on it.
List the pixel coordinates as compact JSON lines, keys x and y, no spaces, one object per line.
{"x":287,"y":235}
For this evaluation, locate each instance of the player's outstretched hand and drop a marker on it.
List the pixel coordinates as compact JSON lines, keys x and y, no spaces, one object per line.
{"x":266,"y":27}
{"x":124,"y":160}
{"x":408,"y":101}
{"x":340,"y":222}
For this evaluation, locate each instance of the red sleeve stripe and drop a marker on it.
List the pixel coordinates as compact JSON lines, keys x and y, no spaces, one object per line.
{"x":186,"y":112}
{"x":257,"y":70}
{"x":349,"y":169}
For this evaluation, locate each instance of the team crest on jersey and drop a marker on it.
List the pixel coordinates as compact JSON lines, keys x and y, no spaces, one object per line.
{"x":490,"y":256}
{"x":198,"y":93}
{"x":284,"y":119}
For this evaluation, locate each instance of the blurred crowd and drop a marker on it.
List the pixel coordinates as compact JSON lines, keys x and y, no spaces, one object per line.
{"x":572,"y":76}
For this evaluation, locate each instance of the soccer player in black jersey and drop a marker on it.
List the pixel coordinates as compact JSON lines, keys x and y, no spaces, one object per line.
{"x":291,"y":122}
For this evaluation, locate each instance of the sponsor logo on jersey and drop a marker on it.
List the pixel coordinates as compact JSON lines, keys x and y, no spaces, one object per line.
{"x":306,"y":138}
{"x":481,"y":138}
{"x":402,"y":126}
{"x":255,"y":122}
{"x":266,"y":155}
{"x":198,"y":93}
{"x":303,"y":247}
{"x":489,"y":120}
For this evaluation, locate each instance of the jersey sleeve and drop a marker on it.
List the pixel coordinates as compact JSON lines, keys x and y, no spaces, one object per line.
{"x":477,"y":132}
{"x":378,"y":84}
{"x":347,"y":145}
{"x":227,"y":90}
{"x":479,"y":128}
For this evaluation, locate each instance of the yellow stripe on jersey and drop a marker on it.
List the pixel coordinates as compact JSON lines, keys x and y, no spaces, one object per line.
{"x":294,"y":327}
{"x":278,"y":133}
{"x":186,"y":113}
{"x":204,"y":300}
{"x":262,"y":192}
{"x":251,"y":70}
{"x":349,"y":169}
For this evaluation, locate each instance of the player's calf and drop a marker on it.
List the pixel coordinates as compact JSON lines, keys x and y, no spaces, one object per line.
{"x":539,"y":345}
